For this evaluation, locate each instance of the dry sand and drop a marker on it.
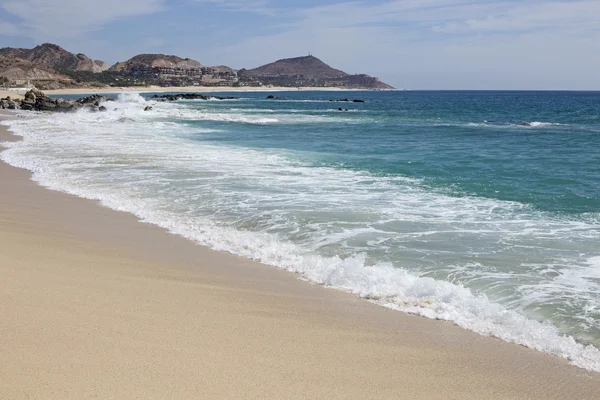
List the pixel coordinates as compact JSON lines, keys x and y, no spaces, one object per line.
{"x":94,"y":304}
{"x":14,"y":94}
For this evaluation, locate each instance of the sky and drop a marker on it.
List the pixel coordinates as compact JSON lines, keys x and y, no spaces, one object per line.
{"x":413,"y":44}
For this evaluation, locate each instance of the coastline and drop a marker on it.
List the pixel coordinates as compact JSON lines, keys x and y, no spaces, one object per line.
{"x":100,"y":304}
{"x":192,"y":89}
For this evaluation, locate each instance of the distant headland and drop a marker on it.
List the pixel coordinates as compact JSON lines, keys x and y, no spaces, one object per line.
{"x":49,"y":66}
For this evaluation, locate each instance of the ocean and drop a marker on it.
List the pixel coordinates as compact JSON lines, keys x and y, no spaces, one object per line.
{"x":480,"y":208}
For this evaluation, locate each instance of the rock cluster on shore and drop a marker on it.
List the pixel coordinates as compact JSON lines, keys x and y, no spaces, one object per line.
{"x":36,"y":100}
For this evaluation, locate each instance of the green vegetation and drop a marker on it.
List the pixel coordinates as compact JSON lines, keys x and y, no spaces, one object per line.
{"x":111,"y":78}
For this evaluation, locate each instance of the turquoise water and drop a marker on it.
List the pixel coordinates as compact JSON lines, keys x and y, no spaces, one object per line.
{"x":465,"y":143}
{"x":482,"y":208}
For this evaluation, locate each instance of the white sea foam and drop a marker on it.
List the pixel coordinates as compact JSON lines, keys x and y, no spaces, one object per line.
{"x":264,"y":206}
{"x":500,"y":124}
{"x":537,"y":124}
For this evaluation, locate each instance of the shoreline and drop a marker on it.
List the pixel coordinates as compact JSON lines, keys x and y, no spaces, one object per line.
{"x":100,"y":304}
{"x":194,"y":89}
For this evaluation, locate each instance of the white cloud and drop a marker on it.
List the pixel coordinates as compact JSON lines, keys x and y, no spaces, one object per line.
{"x":44,"y":20}
{"x":527,"y":16}
{"x":442,"y":44}
{"x":410,"y":43}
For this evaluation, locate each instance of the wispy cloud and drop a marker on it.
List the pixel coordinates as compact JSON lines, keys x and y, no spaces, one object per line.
{"x":44,"y":20}
{"x":411,"y":43}
{"x":442,"y":43}
{"x":459,"y":16}
{"x":527,"y":16}
{"x":251,"y":6}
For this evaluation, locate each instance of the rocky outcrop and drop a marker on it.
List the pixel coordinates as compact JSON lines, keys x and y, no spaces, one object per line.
{"x":36,"y":100}
{"x":190,"y":96}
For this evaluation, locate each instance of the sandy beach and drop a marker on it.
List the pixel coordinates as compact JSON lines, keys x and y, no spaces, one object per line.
{"x":12,"y":94}
{"x":189,"y":89}
{"x":95,"y":304}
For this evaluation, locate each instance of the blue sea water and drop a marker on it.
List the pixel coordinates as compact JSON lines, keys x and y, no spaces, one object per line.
{"x":482,"y":208}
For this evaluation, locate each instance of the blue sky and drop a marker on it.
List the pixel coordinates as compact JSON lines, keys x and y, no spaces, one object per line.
{"x":417,"y":44}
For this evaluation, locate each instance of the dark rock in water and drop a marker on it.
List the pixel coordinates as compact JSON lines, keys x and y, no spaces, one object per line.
{"x":148,"y":108}
{"x":65,"y":106}
{"x":271,"y":97}
{"x":36,"y":100}
{"x":339,"y":108}
{"x":349,"y":101}
{"x":190,"y":96}
{"x":45,"y":106}
{"x":102,"y":108}
{"x":93,"y":100}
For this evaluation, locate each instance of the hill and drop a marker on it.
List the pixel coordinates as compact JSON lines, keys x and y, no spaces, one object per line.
{"x":308,"y":71}
{"x":308,"y":67}
{"x":45,"y":61}
{"x":155,"y":61}
{"x":18,"y":69}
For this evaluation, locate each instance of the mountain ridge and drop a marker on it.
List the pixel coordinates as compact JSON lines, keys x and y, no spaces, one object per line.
{"x":50,"y":62}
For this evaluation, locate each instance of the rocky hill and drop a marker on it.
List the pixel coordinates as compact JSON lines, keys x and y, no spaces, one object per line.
{"x":156,"y":61}
{"x":308,"y":67}
{"x":308,"y":71}
{"x":45,"y":61}
{"x":16,"y":69}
